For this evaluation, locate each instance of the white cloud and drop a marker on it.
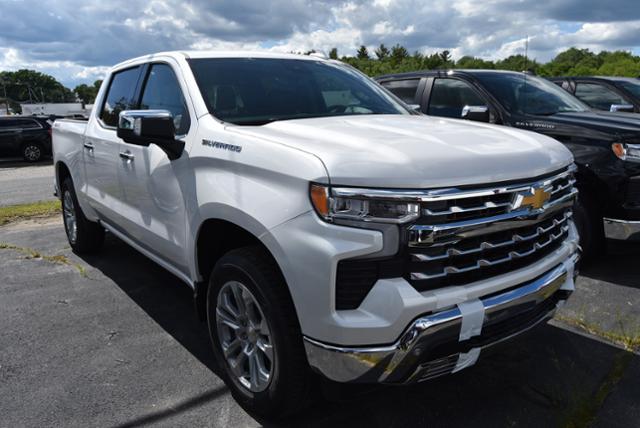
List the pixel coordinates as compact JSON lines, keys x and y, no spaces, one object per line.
{"x":78,"y":40}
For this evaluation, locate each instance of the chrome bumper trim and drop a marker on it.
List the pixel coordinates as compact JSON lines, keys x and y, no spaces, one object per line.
{"x":404,"y":362}
{"x":615,"y":220}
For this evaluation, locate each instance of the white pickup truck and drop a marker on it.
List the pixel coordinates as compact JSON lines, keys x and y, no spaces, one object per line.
{"x":321,"y":224}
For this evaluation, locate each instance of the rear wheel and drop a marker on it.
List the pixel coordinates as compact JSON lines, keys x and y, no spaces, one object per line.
{"x":32,"y":152}
{"x":255,"y":334}
{"x":590,"y":225}
{"x":84,"y":236}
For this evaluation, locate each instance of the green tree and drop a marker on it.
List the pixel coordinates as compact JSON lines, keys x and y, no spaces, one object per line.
{"x":399,"y":54}
{"x":382,"y":52}
{"x":86,"y":93}
{"x":333,"y":53}
{"x":30,"y":85}
{"x":473,"y":62}
{"x":362,"y":53}
{"x":518,"y":63}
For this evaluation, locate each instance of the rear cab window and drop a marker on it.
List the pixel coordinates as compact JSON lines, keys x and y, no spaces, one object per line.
{"x":405,"y":89}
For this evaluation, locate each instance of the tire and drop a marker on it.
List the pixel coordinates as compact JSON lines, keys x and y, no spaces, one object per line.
{"x":84,"y":235}
{"x":32,"y":151}
{"x":288,"y":387}
{"x":590,"y":225}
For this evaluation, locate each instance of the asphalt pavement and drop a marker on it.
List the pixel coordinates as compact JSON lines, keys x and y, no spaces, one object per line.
{"x":112,"y":340}
{"x":22,"y":182}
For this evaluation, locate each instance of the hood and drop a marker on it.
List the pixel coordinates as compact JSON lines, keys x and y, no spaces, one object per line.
{"x":416,"y":151}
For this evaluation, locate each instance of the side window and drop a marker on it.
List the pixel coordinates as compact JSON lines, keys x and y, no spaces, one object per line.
{"x":162,"y":92}
{"x":28,"y":124}
{"x":598,"y":96}
{"x":404,"y":89}
{"x":120,"y":95}
{"x":449,"y":96}
{"x":8,"y":123}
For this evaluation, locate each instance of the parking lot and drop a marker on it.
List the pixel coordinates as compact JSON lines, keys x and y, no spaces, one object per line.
{"x":112,"y":340}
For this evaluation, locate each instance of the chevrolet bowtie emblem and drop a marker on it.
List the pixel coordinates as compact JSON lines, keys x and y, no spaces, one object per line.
{"x":536,"y":200}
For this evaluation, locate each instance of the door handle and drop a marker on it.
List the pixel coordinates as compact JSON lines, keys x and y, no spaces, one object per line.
{"x":128,"y":156}
{"x":88,"y":146}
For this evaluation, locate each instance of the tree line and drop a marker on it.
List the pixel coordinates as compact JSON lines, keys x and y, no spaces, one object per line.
{"x":33,"y":86}
{"x":30,"y":85}
{"x":571,"y":62}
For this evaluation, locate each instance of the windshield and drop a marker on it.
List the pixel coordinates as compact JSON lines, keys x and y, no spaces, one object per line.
{"x":632,"y":87}
{"x":255,"y":91}
{"x":525,"y":94}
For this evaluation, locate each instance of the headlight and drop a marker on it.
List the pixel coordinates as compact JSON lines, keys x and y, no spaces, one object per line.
{"x":357,"y":204}
{"x":627,"y":152}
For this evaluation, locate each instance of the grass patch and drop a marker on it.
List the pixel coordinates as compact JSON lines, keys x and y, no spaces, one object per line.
{"x":629,"y":340}
{"x":31,"y":254}
{"x":13,"y":213}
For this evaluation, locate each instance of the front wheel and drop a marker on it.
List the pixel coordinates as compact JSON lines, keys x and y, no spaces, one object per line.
{"x":84,"y":235}
{"x":590,"y":225}
{"x":255,"y":334}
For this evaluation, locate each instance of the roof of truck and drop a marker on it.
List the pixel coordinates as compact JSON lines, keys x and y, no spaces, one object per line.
{"x":427,"y":73}
{"x":224,"y":54}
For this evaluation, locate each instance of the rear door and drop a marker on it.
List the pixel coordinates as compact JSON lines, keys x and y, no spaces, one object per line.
{"x":153,"y":200}
{"x":9,"y":136}
{"x":101,"y":148}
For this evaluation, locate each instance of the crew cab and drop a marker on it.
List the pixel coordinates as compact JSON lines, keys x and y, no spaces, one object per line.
{"x":604,"y":93}
{"x":321,"y":224}
{"x":606,"y":146}
{"x":28,"y":137}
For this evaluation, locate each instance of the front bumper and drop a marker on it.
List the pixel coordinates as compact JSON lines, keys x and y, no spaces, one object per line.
{"x":450,"y":340}
{"x":622,"y":229}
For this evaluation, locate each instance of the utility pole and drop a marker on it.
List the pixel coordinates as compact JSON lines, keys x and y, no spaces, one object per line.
{"x":6,"y":100}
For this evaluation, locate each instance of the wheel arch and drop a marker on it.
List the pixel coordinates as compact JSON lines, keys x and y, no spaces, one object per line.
{"x":218,"y":235}
{"x":62,"y":172}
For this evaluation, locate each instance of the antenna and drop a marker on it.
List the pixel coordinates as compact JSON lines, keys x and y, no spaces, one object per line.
{"x":526,"y":53}
{"x":524,"y":73}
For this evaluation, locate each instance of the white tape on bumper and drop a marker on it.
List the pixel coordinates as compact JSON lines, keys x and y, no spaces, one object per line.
{"x":472,"y":318}
{"x":568,"y":282}
{"x":467,"y":359}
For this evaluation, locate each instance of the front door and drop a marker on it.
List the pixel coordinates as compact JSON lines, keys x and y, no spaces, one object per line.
{"x":153,"y":195}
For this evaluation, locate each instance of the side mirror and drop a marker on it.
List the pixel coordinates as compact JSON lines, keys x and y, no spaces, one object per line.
{"x":414,"y":107}
{"x":144,"y":127}
{"x":476,"y":113}
{"x":622,"y":107}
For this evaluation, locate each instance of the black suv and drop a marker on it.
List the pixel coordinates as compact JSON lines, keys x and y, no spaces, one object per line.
{"x":29,"y":137}
{"x":606,"y":146}
{"x":604,"y":93}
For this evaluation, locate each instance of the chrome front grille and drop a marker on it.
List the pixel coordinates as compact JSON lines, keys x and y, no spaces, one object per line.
{"x":467,"y":236}
{"x":474,"y":254}
{"x":458,"y":205}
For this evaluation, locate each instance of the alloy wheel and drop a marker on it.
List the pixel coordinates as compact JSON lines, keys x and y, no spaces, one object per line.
{"x":245,"y":336}
{"x":32,"y":153}
{"x":69,"y":214}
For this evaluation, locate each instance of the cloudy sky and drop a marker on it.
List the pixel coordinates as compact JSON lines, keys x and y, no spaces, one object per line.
{"x":76,"y":41}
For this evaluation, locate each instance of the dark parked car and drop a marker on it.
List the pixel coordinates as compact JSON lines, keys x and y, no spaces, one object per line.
{"x":606,"y":146}
{"x":29,"y":137}
{"x":604,"y":93}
